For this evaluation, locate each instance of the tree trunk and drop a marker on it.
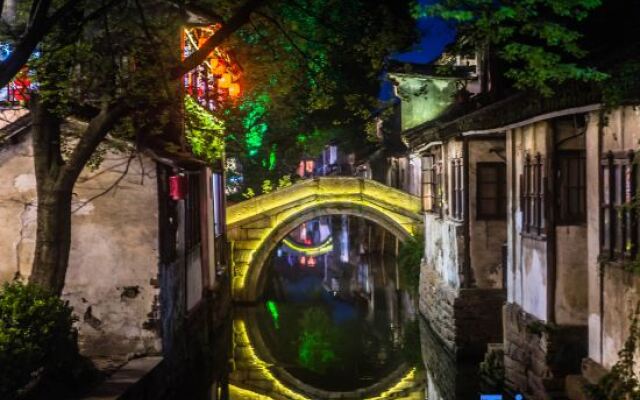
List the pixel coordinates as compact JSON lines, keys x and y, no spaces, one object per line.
{"x":53,"y":235}
{"x":53,"y":239}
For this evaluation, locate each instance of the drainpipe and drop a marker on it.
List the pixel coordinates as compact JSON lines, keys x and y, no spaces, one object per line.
{"x":468,"y":281}
{"x":550,"y":208}
{"x":601,"y":269}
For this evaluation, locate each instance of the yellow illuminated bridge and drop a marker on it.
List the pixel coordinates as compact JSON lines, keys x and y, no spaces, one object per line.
{"x":257,"y":225}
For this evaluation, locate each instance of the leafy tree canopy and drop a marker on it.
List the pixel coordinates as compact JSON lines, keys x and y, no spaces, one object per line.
{"x":312,"y":72}
{"x":540,"y":40}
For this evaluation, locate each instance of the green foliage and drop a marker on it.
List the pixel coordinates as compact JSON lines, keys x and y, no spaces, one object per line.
{"x":267,"y":186}
{"x":409,"y":261}
{"x":623,"y":84}
{"x":492,"y":371}
{"x":284,"y":182}
{"x":411,"y":344}
{"x":204,"y":131}
{"x":537,"y":38}
{"x":540,"y":328}
{"x":249,"y":193}
{"x":622,"y":382}
{"x":87,"y":63}
{"x":36,"y":336}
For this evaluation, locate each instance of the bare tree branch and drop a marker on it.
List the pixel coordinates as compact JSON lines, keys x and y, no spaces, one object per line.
{"x":92,"y":137}
{"x":110,"y":188}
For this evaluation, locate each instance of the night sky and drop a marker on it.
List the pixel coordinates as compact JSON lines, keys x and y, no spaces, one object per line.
{"x":435,"y":35}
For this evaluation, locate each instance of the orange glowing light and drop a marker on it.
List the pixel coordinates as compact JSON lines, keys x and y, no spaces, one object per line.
{"x":220,"y":69}
{"x":311,"y":262}
{"x":303,"y":260}
{"x":225,"y":81}
{"x":234,"y":90}
{"x":201,"y":41}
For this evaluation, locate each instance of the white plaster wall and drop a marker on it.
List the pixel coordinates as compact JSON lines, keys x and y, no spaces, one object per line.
{"x":533,"y":272}
{"x":114,"y":255}
{"x":442,"y":244}
{"x":527,"y":263}
{"x":486,"y":236}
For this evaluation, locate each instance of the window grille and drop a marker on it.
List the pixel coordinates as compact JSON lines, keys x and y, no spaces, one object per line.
{"x":618,"y":214}
{"x":532,"y":194}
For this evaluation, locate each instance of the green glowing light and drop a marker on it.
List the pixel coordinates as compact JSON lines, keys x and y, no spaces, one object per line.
{"x":275,"y":315}
{"x":254,"y":123}
{"x":272,"y":158}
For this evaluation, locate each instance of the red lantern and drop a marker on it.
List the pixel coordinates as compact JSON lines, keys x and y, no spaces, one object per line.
{"x":177,"y":187}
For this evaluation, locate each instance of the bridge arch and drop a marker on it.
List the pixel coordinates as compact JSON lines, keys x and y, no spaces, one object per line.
{"x":257,"y":225}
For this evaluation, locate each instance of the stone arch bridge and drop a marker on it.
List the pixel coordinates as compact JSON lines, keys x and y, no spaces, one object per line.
{"x":257,"y":225}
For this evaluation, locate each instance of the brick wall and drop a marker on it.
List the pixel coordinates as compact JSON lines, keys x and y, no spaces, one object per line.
{"x":465,"y":319}
{"x":538,"y":356}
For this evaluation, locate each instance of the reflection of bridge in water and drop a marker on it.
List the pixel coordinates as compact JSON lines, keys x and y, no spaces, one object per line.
{"x":257,"y":376}
{"x":257,"y":225}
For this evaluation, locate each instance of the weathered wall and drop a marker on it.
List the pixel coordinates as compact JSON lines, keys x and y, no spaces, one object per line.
{"x":571,"y":291}
{"x":616,"y":292}
{"x":527,"y":260}
{"x":447,"y":378}
{"x":433,"y":96}
{"x":571,"y":278}
{"x":436,"y":304}
{"x":114,"y":259}
{"x":465,"y":320}
{"x":443,"y":248}
{"x":486,"y":237}
{"x":537,"y":356}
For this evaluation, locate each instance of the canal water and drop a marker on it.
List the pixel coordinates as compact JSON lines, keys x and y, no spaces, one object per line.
{"x":339,"y":318}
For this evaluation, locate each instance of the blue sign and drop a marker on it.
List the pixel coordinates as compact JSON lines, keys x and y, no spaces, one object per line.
{"x":499,"y":397}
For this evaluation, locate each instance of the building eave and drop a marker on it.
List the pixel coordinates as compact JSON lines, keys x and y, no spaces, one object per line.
{"x":517,"y":110}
